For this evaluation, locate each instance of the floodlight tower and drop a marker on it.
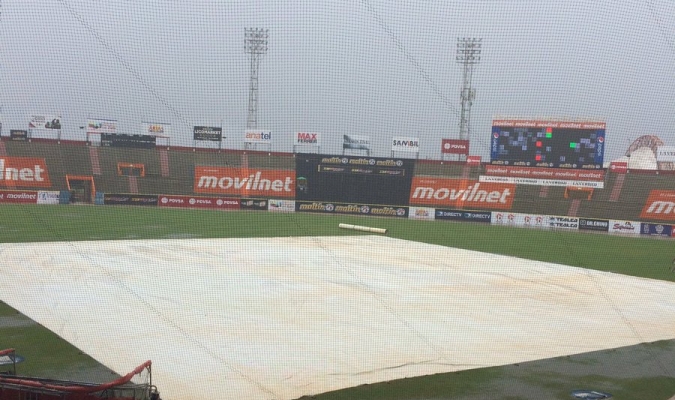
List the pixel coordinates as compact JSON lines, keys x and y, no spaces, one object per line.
{"x":468,"y":54}
{"x":255,"y":44}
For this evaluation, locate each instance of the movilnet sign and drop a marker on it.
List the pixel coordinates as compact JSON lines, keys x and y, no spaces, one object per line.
{"x":618,"y":167}
{"x":307,"y":138}
{"x":543,"y":176}
{"x":461,"y":193}
{"x":245,"y":182}
{"x":101,"y":126}
{"x":353,"y":142}
{"x":45,"y":122}
{"x":208,"y":133}
{"x":262,"y":137}
{"x":660,"y":205}
{"x":198,"y":202}
{"x":410,"y":145}
{"x":524,"y":123}
{"x":24,"y":172}
{"x":454,"y":146}
{"x":18,"y":196}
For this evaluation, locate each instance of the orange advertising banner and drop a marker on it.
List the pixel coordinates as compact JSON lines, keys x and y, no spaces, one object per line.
{"x":24,"y":172}
{"x":660,"y":205}
{"x":246,"y":182}
{"x":461,"y":193}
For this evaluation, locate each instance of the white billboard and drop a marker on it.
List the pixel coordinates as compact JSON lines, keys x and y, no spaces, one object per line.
{"x":155,"y":129}
{"x":405,"y":144}
{"x":45,"y":122}
{"x":256,"y":136}
{"x":355,"y":142}
{"x":307,"y":138}
{"x":101,"y":126}
{"x":624,"y":227}
{"x":665,"y":154}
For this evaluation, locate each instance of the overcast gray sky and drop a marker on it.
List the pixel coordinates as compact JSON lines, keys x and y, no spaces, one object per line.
{"x":374,"y":68}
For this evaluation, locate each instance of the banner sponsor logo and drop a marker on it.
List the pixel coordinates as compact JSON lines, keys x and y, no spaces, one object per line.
{"x":130,"y":199}
{"x":660,"y":205}
{"x":130,"y":141}
{"x":18,"y":134}
{"x":665,"y":154}
{"x":618,"y":167}
{"x":543,"y":176}
{"x":281,"y":205}
{"x":351,"y":208}
{"x":198,"y":202}
{"x":45,"y":122}
{"x":24,"y":171}
{"x":540,"y":182}
{"x":253,"y":204}
{"x":454,"y":146}
{"x":48,"y":197}
{"x":562,"y":222}
{"x":258,"y":137}
{"x":656,"y":229}
{"x":593,"y":224}
{"x":518,"y":123}
{"x":101,"y":126}
{"x":624,"y":227}
{"x":155,"y":129}
{"x":18,"y":196}
{"x":244,"y":181}
{"x":460,"y":215}
{"x":305,"y":138}
{"x":473,"y":161}
{"x":209,"y":133}
{"x":423,"y":213}
{"x":405,"y":144}
{"x":519,"y":220}
{"x":461,"y":193}
{"x":355,"y":142}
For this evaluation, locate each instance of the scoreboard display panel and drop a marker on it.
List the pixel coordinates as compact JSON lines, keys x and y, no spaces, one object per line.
{"x":551,"y":144}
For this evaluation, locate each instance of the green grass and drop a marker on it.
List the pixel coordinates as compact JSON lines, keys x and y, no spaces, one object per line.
{"x":643,"y":257}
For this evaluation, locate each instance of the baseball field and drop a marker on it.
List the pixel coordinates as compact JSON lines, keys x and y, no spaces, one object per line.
{"x":644,"y":369}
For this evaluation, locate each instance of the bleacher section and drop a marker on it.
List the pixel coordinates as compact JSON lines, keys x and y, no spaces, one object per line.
{"x":75,"y":159}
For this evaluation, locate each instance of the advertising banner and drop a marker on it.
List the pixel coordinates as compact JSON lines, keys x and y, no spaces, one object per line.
{"x":18,"y":135}
{"x":45,"y":122}
{"x":18,"y":196}
{"x":24,"y":171}
{"x":209,"y":133}
{"x":586,"y":224}
{"x":454,"y":146}
{"x":562,"y":222}
{"x":520,"y":220}
{"x":198,"y":202}
{"x":660,"y":205}
{"x":155,"y":129}
{"x":656,"y":229}
{"x":665,"y":154}
{"x":48,"y":197}
{"x":424,"y":213}
{"x":461,"y":215}
{"x":347,"y":208}
{"x":130,"y":199}
{"x":461,"y":193}
{"x":543,"y":176}
{"x":101,"y":126}
{"x":354,"y":142}
{"x":245,"y":182}
{"x":411,"y":145}
{"x":473,"y":161}
{"x":129,"y":141}
{"x":624,"y":227}
{"x":618,"y":167}
{"x":307,"y":138}
{"x":281,"y":205}
{"x":253,"y":204}
{"x":261,"y":137}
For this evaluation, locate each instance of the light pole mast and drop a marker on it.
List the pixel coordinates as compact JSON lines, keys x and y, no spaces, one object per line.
{"x":255,"y":44}
{"x":468,"y":54}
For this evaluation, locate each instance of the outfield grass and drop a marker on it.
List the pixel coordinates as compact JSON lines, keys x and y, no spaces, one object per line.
{"x":45,"y":352}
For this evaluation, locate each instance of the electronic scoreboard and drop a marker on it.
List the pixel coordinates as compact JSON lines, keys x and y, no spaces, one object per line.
{"x":552,"y":144}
